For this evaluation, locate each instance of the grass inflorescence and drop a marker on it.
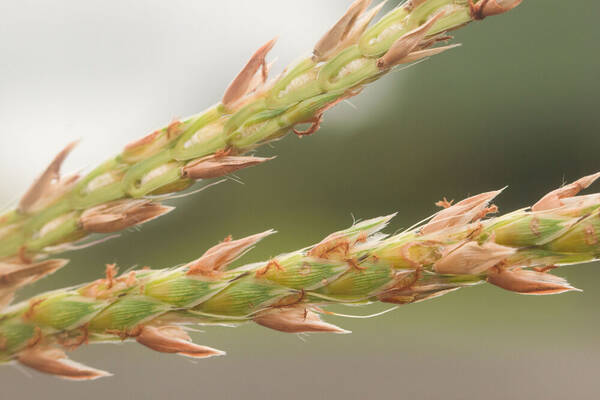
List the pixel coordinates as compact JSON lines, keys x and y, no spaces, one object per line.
{"x":126,"y":190}
{"x":459,"y":246}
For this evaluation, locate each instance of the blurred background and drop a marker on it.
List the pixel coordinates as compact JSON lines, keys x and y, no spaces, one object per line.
{"x":515,"y":105}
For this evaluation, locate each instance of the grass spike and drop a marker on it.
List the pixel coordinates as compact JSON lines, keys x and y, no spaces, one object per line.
{"x":354,"y":266}
{"x":57,"y":213}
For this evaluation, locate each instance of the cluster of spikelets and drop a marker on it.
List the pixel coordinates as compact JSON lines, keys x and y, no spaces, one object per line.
{"x":456,"y":248}
{"x":125,"y":191}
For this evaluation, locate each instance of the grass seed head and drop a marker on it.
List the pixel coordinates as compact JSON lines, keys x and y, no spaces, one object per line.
{"x":353,"y":266}
{"x":56,"y":211}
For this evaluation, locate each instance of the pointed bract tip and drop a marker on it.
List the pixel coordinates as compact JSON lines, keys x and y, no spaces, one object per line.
{"x":240,"y":85}
{"x":295,"y":319}
{"x":488,"y":8}
{"x":121,"y":214}
{"x":389,"y":217}
{"x":216,"y":166}
{"x":13,"y":276}
{"x":375,"y":224}
{"x":554,"y":198}
{"x":173,"y":339}
{"x":420,"y":54}
{"x":461,"y":213}
{"x":528,"y":281}
{"x":329,"y":43}
{"x":51,"y":360}
{"x":221,"y":255}
{"x":360,"y":26}
{"x":43,"y":185}
{"x":408,"y":42}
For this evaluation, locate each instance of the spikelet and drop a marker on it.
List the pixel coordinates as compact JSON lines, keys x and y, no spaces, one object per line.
{"x":407,"y":43}
{"x":121,"y":214}
{"x":472,"y":258}
{"x":173,"y":339}
{"x":53,"y":361}
{"x":16,"y":275}
{"x":329,"y":43}
{"x":220,"y":256}
{"x":242,"y":83}
{"x":556,"y":198}
{"x":528,"y":282}
{"x":295,"y":319}
{"x":49,"y":185}
{"x":216,"y":166}
{"x":461,"y":213}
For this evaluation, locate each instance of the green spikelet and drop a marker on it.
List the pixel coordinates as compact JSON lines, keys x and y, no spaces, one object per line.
{"x":458,"y":247}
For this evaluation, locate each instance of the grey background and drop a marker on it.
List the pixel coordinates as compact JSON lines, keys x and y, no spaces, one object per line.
{"x":516,"y":105}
